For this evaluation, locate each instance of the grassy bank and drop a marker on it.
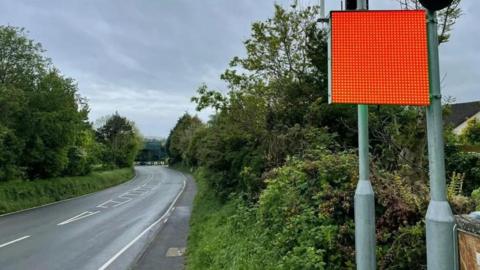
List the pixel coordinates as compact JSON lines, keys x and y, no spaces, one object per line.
{"x":223,"y":235}
{"x":18,"y":195}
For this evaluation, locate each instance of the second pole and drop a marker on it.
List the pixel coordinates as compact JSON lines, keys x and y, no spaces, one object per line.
{"x":364,"y":196}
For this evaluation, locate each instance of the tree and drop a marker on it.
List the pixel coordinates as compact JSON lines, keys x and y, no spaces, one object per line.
{"x":284,"y":77}
{"x":181,"y":136}
{"x":21,"y":59}
{"x":41,"y":113}
{"x":50,"y":125}
{"x":121,"y":141}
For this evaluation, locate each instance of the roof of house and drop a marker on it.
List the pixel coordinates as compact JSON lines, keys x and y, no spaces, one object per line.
{"x":460,"y":112}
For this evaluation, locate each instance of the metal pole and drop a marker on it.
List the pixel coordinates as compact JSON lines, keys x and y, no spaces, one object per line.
{"x":364,"y":196}
{"x":364,"y":200}
{"x":322,"y":9}
{"x":439,"y":218}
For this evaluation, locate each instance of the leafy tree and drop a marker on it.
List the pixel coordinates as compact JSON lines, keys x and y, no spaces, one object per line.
{"x":22,"y":62}
{"x":50,"y":125}
{"x":41,"y":111}
{"x":121,"y":141}
{"x":83,"y":154}
{"x":181,"y":136}
{"x":10,"y":146}
{"x":277,"y":146}
{"x":279,"y":90}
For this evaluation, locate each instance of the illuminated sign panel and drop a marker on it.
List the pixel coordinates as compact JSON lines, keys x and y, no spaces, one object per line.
{"x":378,"y":57}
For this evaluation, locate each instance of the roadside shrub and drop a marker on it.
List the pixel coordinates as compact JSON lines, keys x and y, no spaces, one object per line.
{"x":467,"y":163}
{"x":306,"y":210}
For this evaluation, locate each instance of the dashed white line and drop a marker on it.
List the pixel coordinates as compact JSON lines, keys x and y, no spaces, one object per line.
{"x":78,"y":217}
{"x":14,"y":241}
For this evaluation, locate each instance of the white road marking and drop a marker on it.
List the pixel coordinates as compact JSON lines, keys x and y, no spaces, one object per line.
{"x":102,"y":205}
{"x":128,"y":196}
{"x":14,"y":241}
{"x":135,"y":192}
{"x":121,"y":203}
{"x":78,"y":217}
{"x":142,"y":189}
{"x":111,"y":260}
{"x":125,"y":198}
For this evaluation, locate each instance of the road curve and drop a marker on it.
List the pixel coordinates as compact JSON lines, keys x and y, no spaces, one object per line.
{"x":103,"y":230}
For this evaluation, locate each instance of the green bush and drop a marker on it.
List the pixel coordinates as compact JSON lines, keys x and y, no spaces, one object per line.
{"x":297,"y":223}
{"x":303,"y":219}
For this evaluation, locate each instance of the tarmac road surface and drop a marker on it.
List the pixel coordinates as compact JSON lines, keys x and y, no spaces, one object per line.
{"x":105,"y":230}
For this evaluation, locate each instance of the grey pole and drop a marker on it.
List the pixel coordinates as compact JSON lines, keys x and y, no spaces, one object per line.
{"x":322,"y":9}
{"x":439,"y":218}
{"x":364,"y":196}
{"x":364,"y":200}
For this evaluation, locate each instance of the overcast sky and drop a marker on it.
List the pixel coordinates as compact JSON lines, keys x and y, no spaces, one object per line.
{"x":146,"y":58}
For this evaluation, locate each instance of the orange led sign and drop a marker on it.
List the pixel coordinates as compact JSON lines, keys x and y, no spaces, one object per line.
{"x":378,"y":57}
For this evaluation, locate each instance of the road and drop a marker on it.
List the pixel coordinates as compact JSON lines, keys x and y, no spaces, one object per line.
{"x":103,"y":230}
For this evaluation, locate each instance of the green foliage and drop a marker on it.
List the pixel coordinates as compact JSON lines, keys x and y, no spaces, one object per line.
{"x":22,"y":60}
{"x":455,"y":187}
{"x":277,"y":165}
{"x":307,"y":207}
{"x":407,"y":251}
{"x":471,"y":134}
{"x":18,"y":195}
{"x":83,"y":154}
{"x":181,"y":137}
{"x":398,"y":139}
{"x":41,"y":115}
{"x":304,"y":220}
{"x":49,"y":126}
{"x":44,"y":128}
{"x":10,"y":146}
{"x":121,"y":141}
{"x":466,"y":163}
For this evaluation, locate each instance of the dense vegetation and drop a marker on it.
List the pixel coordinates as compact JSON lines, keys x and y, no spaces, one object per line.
{"x":277,"y":164}
{"x":44,"y":128}
{"x":45,"y":133}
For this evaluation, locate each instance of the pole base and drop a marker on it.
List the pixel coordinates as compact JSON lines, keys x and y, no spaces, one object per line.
{"x":439,"y":225}
{"x":365,"y":226}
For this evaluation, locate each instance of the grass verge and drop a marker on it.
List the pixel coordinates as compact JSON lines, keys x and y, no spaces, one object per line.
{"x":223,"y":235}
{"x":18,"y":195}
